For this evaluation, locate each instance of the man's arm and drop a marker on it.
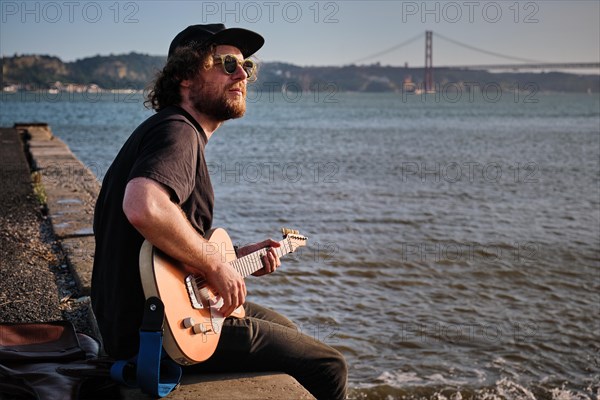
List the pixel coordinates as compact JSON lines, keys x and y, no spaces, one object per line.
{"x":149,"y":209}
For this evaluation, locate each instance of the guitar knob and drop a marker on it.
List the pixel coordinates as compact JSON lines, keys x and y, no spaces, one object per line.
{"x":188,"y":322}
{"x":200,"y":328}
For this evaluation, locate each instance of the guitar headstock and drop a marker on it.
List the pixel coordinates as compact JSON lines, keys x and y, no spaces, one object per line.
{"x":294,"y":238}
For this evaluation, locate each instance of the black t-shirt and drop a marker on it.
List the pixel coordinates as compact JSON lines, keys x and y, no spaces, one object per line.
{"x":168,"y":148}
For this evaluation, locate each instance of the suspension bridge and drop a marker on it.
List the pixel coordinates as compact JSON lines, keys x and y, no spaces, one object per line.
{"x":523,"y":63}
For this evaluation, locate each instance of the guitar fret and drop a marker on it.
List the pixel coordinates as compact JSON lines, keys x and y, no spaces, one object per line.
{"x":282,"y":250}
{"x":254,"y":261}
{"x":249,"y":266}
{"x":240,"y":266}
{"x":244,"y":267}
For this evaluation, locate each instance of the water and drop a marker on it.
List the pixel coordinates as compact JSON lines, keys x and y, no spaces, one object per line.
{"x":454,"y":247}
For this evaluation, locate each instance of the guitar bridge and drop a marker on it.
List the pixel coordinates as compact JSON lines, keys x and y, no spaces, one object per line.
{"x":198,"y":292}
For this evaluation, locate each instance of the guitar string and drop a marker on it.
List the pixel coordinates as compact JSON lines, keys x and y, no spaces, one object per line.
{"x":252,"y":262}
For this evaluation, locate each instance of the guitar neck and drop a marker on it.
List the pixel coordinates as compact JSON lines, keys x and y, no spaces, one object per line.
{"x":252,"y":262}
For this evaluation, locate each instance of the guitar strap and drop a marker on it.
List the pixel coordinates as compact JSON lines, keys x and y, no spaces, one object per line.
{"x":144,"y":370}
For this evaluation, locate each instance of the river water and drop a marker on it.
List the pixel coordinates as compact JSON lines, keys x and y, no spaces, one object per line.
{"x":454,"y":243}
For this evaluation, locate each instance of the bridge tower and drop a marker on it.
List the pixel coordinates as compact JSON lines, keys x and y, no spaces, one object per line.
{"x":428,"y":79}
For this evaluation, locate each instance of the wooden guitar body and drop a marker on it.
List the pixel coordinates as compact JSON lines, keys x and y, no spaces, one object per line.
{"x":193,"y":322}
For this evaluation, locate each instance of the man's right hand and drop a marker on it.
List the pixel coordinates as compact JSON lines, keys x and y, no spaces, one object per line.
{"x":229,"y":284}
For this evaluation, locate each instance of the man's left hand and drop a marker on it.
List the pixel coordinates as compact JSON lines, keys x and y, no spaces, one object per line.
{"x":270,"y":260}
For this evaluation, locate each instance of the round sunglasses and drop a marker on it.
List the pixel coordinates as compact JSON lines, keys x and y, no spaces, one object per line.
{"x":230,"y":63}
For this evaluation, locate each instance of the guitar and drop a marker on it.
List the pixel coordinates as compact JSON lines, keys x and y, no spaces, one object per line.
{"x":193,"y":322}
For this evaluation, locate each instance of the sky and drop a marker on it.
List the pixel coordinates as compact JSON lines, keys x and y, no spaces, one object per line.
{"x":311,"y":33}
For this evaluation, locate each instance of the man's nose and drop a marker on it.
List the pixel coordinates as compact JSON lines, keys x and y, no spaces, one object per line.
{"x":239,"y":73}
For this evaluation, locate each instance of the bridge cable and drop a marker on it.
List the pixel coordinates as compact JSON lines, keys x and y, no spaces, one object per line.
{"x":487,"y":51}
{"x":372,"y":56}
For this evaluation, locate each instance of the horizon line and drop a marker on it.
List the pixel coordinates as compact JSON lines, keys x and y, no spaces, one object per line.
{"x":580,"y":65}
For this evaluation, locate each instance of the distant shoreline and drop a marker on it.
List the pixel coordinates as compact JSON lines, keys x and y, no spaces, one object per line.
{"x":49,"y":92}
{"x":134,"y":72}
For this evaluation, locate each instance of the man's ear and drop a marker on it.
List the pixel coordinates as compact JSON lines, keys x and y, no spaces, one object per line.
{"x":186,"y":83}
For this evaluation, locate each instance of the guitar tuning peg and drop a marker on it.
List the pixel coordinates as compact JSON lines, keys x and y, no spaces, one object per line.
{"x":287,"y":232}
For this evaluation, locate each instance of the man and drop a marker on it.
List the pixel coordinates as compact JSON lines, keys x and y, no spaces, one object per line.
{"x":158,"y":188}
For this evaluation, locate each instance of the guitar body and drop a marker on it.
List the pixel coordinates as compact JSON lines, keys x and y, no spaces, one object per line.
{"x":165,"y":278}
{"x":193,"y":322}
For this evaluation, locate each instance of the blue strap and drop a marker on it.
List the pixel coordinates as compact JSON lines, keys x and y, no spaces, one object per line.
{"x":151,"y":359}
{"x":118,"y":373}
{"x":149,"y":368}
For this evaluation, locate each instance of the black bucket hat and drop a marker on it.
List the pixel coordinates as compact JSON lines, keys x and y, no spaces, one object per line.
{"x":247,"y":41}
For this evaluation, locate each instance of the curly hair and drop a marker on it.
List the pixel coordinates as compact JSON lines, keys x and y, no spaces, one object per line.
{"x":183,"y":64}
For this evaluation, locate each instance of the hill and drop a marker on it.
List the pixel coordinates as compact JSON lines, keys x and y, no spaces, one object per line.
{"x":131,"y":70}
{"x":136,"y":71}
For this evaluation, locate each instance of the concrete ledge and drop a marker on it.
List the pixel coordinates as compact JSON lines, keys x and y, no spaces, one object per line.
{"x":71,"y":190}
{"x":247,"y":386}
{"x":80,"y":256}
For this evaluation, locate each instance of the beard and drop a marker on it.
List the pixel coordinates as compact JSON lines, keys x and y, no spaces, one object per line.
{"x":208,"y":99}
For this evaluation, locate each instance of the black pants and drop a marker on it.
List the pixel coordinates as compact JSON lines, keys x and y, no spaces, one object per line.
{"x":267,"y":341}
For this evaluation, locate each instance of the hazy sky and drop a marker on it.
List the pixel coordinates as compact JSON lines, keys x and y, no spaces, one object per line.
{"x":314,"y":33}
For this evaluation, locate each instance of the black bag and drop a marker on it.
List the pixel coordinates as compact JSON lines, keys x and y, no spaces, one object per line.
{"x":32,"y":353}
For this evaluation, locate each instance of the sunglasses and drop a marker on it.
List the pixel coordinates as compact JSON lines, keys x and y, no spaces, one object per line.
{"x":231,"y":62}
